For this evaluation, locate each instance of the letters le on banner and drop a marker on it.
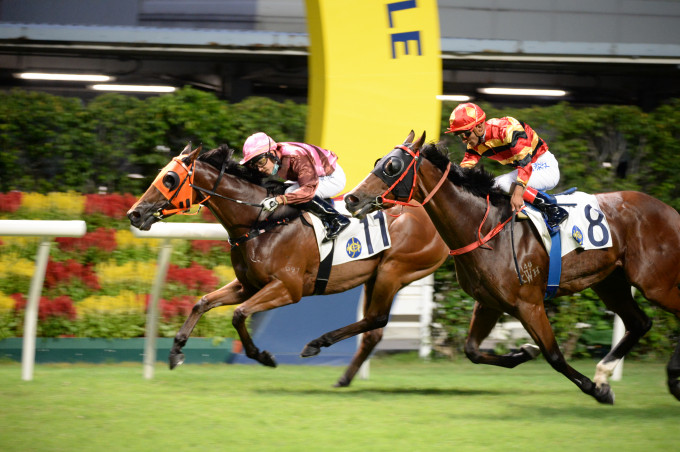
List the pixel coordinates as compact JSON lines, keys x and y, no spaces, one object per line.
{"x":375,"y":72}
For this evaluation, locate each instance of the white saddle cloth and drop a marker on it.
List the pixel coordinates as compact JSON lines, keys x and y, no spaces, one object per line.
{"x":360,"y":240}
{"x":586,"y":226}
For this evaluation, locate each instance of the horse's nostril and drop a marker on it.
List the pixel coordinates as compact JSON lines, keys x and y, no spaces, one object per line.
{"x":133,"y":214}
{"x":351,"y":199}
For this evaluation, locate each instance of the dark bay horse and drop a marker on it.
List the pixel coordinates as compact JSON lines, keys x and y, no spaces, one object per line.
{"x":279,"y":267}
{"x":645,"y":254}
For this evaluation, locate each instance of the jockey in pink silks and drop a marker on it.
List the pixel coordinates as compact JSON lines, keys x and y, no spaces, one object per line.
{"x":314,"y":171}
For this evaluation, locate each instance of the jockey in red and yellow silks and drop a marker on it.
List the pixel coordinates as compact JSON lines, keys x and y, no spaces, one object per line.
{"x":513,"y":143}
{"x":509,"y":142}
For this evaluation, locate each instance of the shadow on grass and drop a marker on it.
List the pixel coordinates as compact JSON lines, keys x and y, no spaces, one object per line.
{"x":361,"y":392}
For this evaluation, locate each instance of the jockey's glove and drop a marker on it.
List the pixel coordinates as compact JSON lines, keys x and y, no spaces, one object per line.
{"x":269,"y":204}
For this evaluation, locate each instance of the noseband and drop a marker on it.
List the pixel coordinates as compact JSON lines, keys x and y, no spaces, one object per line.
{"x":175,"y":182}
{"x":395,"y":174}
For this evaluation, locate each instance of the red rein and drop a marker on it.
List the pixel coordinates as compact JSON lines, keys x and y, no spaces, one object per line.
{"x":480,"y":241}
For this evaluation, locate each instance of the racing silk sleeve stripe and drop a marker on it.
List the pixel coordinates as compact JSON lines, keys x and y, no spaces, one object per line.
{"x":470,"y":160}
{"x":509,"y":142}
{"x":324,"y":160}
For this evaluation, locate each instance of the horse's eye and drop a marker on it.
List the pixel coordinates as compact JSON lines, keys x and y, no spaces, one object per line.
{"x":393,"y":166}
{"x":171,"y":180}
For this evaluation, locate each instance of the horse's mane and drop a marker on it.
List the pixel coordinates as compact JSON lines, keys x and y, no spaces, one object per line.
{"x":216,"y":157}
{"x":477,"y":181}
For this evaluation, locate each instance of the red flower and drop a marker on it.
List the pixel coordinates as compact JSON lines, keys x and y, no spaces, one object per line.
{"x":204,"y":246}
{"x":10,"y":202}
{"x":63,"y":272}
{"x":177,"y":306}
{"x":61,"y":306}
{"x":195,"y":277}
{"x":113,"y":205}
{"x":102,"y":238}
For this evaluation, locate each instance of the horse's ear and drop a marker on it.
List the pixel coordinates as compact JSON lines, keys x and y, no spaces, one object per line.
{"x":195,"y":153}
{"x":186,"y":150}
{"x":409,"y":138}
{"x":418,"y":144}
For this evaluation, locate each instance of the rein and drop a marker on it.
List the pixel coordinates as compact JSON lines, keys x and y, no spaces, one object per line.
{"x":187,"y":184}
{"x":482,"y":240}
{"x":415,"y":157}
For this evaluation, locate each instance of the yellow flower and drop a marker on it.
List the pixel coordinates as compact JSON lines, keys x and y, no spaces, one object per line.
{"x":126,"y":239}
{"x":69,"y":203}
{"x":12,"y":265}
{"x":6,"y":303}
{"x":225,"y":273}
{"x":19,"y":241}
{"x":126,"y":302}
{"x":109,"y":273}
{"x":222,"y":311}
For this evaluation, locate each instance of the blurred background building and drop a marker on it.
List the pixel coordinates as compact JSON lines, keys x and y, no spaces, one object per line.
{"x":605,"y":51}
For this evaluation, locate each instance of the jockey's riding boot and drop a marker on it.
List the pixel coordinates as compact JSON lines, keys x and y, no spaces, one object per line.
{"x":334,"y":221}
{"x":554,"y":214}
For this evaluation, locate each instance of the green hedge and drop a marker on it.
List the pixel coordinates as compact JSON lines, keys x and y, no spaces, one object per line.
{"x":52,"y":143}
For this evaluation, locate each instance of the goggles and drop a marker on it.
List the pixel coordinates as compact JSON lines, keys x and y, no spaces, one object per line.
{"x":261,"y":161}
{"x":463,"y":133}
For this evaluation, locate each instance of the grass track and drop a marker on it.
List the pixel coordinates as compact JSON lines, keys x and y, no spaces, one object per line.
{"x":406,"y":405}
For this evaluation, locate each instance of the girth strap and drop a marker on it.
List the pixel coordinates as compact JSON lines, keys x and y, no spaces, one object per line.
{"x":259,"y":230}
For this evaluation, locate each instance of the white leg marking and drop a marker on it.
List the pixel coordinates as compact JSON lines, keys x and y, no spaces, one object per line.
{"x":604,"y":371}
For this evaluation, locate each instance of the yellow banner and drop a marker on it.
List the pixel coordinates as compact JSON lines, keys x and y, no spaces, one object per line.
{"x":375,"y":72}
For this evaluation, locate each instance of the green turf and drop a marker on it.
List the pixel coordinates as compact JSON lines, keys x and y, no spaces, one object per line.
{"x":405,"y":405}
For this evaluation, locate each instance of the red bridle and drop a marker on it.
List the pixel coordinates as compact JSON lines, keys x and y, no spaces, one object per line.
{"x":415,"y":156}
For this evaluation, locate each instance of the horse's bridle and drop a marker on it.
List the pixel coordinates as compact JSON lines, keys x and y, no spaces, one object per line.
{"x":392,"y":170}
{"x":176,"y":182}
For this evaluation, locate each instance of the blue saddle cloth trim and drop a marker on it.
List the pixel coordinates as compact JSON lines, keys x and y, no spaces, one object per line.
{"x":555,"y":266}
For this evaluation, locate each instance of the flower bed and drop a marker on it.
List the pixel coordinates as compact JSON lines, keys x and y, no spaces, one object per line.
{"x":98,"y":285}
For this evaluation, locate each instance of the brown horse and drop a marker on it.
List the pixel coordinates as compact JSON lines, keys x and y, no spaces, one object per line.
{"x":645,"y":254}
{"x":268,"y":274}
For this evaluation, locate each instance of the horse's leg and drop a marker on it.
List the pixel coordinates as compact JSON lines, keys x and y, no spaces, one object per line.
{"x":376,"y":314}
{"x":382,"y":300}
{"x":669,"y":299}
{"x":482,"y":322}
{"x":368,"y":342}
{"x":230,"y":294}
{"x":616,"y":294}
{"x":673,"y":371}
{"x":535,"y":321}
{"x":273,"y":295}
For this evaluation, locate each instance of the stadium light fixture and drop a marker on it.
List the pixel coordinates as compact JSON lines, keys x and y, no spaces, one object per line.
{"x":454,"y":97}
{"x":135,"y":88}
{"x":523,"y":92}
{"x":64,"y":77}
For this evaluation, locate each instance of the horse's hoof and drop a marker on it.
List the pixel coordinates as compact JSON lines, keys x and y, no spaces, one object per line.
{"x":267,"y":359}
{"x":531,"y":350}
{"x":604,"y":394}
{"x":674,"y":387}
{"x":343,"y":382}
{"x":310,"y":351}
{"x":176,"y":359}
